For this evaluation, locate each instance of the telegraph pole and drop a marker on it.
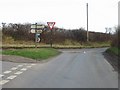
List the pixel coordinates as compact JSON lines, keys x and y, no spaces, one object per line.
{"x":87,"y":23}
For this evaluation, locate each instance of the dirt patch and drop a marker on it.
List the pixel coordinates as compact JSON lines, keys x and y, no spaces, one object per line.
{"x":17,"y":59}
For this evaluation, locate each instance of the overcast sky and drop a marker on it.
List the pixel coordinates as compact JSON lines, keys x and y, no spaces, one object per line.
{"x":68,"y":14}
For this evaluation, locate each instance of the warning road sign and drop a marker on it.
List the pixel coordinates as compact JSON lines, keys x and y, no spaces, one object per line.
{"x":51,"y":25}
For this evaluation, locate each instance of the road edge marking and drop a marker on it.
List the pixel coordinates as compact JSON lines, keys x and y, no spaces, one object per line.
{"x":2,"y":82}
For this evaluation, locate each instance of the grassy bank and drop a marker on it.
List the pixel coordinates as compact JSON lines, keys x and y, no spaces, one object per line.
{"x":42,"y":53}
{"x":114,"y":50}
{"x":59,"y":46}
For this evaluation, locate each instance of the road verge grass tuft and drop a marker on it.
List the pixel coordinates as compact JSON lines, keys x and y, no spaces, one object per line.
{"x":114,"y":50}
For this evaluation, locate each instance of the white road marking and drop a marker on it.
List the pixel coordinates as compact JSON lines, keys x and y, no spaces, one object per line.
{"x":6,"y":72}
{"x":11,"y":77}
{"x":18,"y":73}
{"x":1,"y":75}
{"x":24,"y":69}
{"x":109,"y":64}
{"x":33,"y":64}
{"x":14,"y":68}
{"x":29,"y":66}
{"x":20,"y":65}
{"x":3,"y":82}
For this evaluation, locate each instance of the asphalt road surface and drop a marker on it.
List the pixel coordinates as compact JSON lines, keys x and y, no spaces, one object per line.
{"x":75,"y":68}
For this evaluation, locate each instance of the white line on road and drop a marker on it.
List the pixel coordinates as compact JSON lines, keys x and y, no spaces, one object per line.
{"x":1,"y":75}
{"x":24,"y":69}
{"x":29,"y":66}
{"x":25,"y":64}
{"x":20,"y":65}
{"x":3,"y":82}
{"x":33,"y":64}
{"x":14,"y":68}
{"x":109,"y":64}
{"x":11,"y":77}
{"x":6,"y":72}
{"x":18,"y":73}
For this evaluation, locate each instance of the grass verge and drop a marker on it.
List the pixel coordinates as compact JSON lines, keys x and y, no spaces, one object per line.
{"x":114,"y":50}
{"x":38,"y":54}
{"x":58,"y":46}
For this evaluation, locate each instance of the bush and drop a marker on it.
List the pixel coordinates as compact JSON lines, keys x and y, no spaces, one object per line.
{"x":71,"y":42}
{"x":8,"y":40}
{"x":116,"y":38}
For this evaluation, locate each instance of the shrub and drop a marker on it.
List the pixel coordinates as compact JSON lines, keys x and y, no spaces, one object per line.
{"x":8,"y":40}
{"x":116,"y":38}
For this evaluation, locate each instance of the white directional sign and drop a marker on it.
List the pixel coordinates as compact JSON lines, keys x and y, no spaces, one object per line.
{"x":33,"y":26}
{"x":38,"y":31}
{"x":38,"y":28}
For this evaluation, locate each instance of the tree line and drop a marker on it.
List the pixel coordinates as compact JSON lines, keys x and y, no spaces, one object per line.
{"x":59,"y":35}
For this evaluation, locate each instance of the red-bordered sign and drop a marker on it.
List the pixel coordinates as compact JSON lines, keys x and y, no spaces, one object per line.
{"x":51,"y":25}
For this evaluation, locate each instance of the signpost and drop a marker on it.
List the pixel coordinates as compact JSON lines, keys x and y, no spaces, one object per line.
{"x":38,"y":37}
{"x":51,"y":25}
{"x":37,"y":29}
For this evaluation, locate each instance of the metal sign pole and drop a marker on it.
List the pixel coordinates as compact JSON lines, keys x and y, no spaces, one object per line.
{"x":36,"y":29}
{"x":51,"y":25}
{"x":35,"y":35}
{"x":51,"y":39}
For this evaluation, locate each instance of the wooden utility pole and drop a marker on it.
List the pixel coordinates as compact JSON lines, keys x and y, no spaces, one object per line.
{"x":87,"y":23}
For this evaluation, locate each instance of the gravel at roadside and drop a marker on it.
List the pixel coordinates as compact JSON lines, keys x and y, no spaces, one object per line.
{"x":113,"y":60}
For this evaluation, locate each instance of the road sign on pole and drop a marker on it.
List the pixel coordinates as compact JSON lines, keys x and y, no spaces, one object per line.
{"x":51,"y":25}
{"x":37,"y":29}
{"x":38,"y":37}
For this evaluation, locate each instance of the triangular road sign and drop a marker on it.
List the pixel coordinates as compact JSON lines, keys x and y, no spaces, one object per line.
{"x":51,"y":25}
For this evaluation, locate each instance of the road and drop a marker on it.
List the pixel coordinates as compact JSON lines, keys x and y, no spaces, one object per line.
{"x":75,"y":68}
